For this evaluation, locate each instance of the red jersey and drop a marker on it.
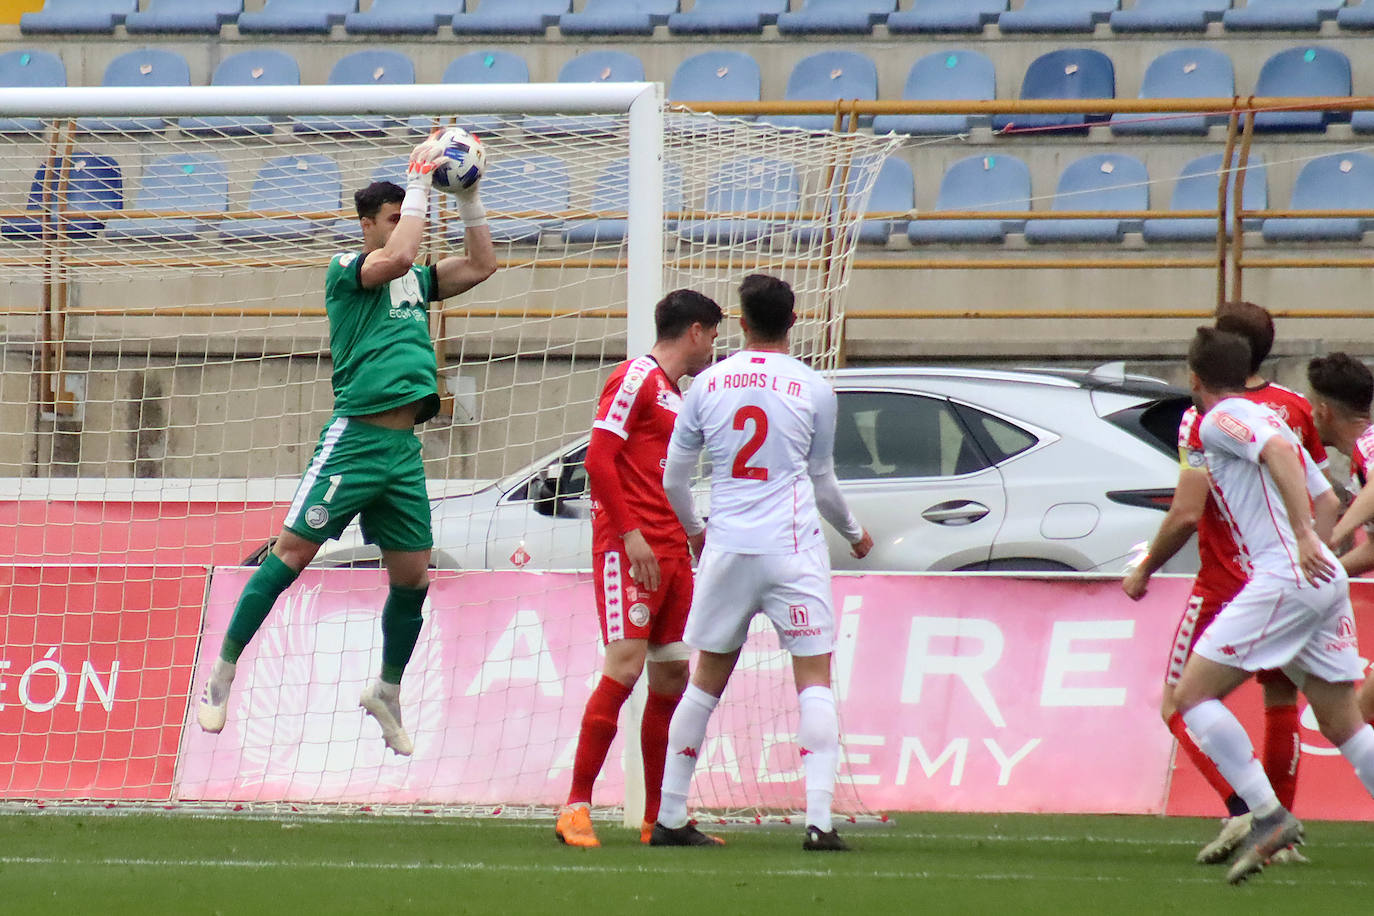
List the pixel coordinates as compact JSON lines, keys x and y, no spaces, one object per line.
{"x":1361,"y":460}
{"x":1224,"y":566}
{"x":639,"y":405}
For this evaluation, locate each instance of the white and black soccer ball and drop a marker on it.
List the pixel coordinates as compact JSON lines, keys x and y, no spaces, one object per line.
{"x":461,"y":160}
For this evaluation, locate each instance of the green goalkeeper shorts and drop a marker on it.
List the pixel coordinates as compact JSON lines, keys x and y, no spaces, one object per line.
{"x":363,"y":470}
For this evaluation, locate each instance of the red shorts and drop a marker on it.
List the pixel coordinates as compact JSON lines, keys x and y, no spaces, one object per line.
{"x":1200,"y":612}
{"x":627,"y":611}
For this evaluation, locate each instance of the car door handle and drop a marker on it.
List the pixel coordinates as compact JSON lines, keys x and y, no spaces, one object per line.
{"x":955,"y":512}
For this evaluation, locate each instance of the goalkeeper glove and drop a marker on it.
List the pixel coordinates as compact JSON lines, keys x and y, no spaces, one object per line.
{"x":419,"y":180}
{"x":470,"y":207}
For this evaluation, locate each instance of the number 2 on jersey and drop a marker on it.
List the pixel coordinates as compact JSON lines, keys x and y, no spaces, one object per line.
{"x":741,"y":469}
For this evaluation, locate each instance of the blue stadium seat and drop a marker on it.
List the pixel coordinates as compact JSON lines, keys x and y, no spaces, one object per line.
{"x":202,"y":17}
{"x":511,"y":17}
{"x":297,"y":16}
{"x":91,"y":183}
{"x":942,"y":75}
{"x":28,"y":69}
{"x":144,"y":67}
{"x":836,"y":16}
{"x":748,"y":185}
{"x":1196,"y":189}
{"x":69,"y":16}
{"x":1356,"y":17}
{"x":1106,"y":181}
{"x":717,"y":76}
{"x":1183,"y":73}
{"x":894,"y":189}
{"x":977,"y":183}
{"x":827,"y":76}
{"x":263,"y":67}
{"x":300,"y":184}
{"x":618,"y":17}
{"x":403,"y":17}
{"x":590,"y":67}
{"x":374,"y":67}
{"x":1288,"y":15}
{"x":1169,"y":15}
{"x":946,"y":16}
{"x":719,"y":17}
{"x":612,"y":194}
{"x":522,"y":185}
{"x":186,"y":182}
{"x":1341,"y":181}
{"x":1057,"y":16}
{"x":1073,"y":73}
{"x":488,"y":66}
{"x":1302,"y":72}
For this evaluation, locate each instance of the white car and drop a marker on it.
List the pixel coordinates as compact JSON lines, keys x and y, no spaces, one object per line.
{"x":947,"y":468}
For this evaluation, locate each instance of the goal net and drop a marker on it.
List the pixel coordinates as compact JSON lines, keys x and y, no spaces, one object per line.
{"x":166,"y":374}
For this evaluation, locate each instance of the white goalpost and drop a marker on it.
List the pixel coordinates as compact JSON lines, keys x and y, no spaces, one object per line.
{"x":164,"y":374}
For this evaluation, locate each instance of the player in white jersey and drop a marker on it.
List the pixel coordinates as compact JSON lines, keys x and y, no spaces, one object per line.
{"x":1294,"y":612}
{"x":767,"y":422}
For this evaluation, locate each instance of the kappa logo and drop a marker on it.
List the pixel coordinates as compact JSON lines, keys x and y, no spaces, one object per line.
{"x":317,"y":516}
{"x":799,"y":614}
{"x":688,"y":752}
{"x":1228,"y":650}
{"x":805,"y":752}
{"x":1234,"y":428}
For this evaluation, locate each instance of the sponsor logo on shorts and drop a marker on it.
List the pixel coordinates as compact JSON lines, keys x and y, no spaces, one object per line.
{"x":639,"y":614}
{"x":808,"y":631}
{"x":317,"y":516}
{"x":800,"y":617}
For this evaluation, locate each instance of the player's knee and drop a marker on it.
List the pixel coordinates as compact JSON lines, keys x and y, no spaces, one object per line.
{"x":668,"y":678}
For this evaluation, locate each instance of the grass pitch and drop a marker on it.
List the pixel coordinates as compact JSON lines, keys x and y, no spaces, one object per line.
{"x":938,"y":864}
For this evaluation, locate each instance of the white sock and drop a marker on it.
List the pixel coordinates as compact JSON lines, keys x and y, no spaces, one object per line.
{"x":1359,"y":750}
{"x":819,"y":738}
{"x":1223,"y":739}
{"x":685,"y":735}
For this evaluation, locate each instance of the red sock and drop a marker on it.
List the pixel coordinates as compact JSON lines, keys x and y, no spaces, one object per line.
{"x":653,"y":745}
{"x":594,"y":740}
{"x":1282,"y":751}
{"x":1204,"y":764}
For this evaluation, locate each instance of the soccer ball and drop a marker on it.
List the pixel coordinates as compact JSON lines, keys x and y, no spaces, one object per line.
{"x":462,"y":160}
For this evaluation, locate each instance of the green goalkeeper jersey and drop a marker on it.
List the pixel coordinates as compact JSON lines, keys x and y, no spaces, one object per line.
{"x":379,"y":340}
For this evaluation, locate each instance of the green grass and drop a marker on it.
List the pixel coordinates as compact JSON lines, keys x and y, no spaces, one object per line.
{"x":936,"y":864}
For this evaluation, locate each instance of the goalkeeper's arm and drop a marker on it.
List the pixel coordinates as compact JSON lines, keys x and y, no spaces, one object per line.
{"x":460,"y":274}
{"x":398,"y":254}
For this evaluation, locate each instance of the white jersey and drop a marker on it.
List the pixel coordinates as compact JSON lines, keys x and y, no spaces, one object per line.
{"x":1233,"y":434}
{"x":767,"y":423}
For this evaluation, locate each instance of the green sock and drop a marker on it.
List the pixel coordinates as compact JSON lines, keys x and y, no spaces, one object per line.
{"x":400,"y":629}
{"x":272,"y":578}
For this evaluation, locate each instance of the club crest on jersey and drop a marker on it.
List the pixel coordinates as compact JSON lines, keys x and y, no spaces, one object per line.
{"x":1234,"y":428}
{"x":317,"y":516}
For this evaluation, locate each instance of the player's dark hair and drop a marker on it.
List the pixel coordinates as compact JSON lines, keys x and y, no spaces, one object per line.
{"x":1252,"y":322}
{"x":1343,"y":380}
{"x":767,"y":304}
{"x":369,"y":200}
{"x":1221,"y":359}
{"x":679,"y":310}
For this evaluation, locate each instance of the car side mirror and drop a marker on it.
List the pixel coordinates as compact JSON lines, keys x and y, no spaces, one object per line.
{"x":542,"y":493}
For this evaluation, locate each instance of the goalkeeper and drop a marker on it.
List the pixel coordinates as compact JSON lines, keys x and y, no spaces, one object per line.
{"x":368,"y":461}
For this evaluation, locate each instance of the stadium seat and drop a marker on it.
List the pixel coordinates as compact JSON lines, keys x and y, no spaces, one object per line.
{"x":1057,"y":16}
{"x":403,"y":17}
{"x":836,"y":16}
{"x":1302,"y":72}
{"x":590,"y":67}
{"x":374,"y":67}
{"x":1341,"y":181}
{"x":894,"y":189}
{"x":719,"y":17}
{"x":1183,"y":73}
{"x":1106,"y":181}
{"x":942,"y":75}
{"x":827,"y":76}
{"x":1073,"y":73}
{"x":1356,"y":17}
{"x":297,"y":16}
{"x":532,"y":183}
{"x":1169,"y":15}
{"x":301,"y":184}
{"x":28,"y":69}
{"x":748,"y":185}
{"x":511,"y":17}
{"x":618,"y":17}
{"x":1288,"y":15}
{"x":77,"y":16}
{"x":263,"y":67}
{"x":1196,"y":189}
{"x":91,"y":183}
{"x":144,"y":67}
{"x":186,"y":182}
{"x":977,"y":183}
{"x":202,"y":17}
{"x":490,"y":66}
{"x":717,"y":76}
{"x":612,"y":194}
{"x":946,"y":16}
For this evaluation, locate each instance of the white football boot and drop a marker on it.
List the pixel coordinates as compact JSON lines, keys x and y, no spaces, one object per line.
{"x":382,"y":702}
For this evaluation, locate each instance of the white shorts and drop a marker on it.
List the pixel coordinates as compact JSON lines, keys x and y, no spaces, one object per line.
{"x":1273,"y":624}
{"x":792,"y":589}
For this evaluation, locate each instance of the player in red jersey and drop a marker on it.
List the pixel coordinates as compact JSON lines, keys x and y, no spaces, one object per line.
{"x":641,"y":563}
{"x":1222,"y":573}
